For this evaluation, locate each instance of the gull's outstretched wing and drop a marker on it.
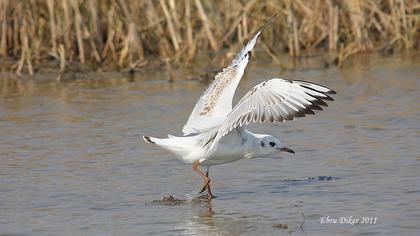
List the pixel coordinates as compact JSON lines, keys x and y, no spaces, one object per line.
{"x":216,"y":102}
{"x":273,"y":100}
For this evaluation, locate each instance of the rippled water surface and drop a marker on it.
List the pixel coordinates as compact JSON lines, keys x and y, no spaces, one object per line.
{"x":72,"y":162}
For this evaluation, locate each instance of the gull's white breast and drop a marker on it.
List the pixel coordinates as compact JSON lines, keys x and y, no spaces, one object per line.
{"x":235,"y":146}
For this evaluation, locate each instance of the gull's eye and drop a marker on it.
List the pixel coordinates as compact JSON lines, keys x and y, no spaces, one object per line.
{"x":272,"y":144}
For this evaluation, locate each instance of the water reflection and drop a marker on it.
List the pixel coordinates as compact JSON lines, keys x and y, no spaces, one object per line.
{"x":72,"y":162}
{"x":201,"y":222}
{"x":205,"y":220}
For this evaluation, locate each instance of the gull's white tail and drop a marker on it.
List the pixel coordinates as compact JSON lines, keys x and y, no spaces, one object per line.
{"x":167,"y":143}
{"x":180,"y":146}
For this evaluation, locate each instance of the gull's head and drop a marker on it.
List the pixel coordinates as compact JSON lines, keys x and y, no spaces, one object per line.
{"x":270,"y":145}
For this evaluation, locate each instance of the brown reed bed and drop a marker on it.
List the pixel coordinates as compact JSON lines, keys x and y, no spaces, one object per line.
{"x":121,"y":34}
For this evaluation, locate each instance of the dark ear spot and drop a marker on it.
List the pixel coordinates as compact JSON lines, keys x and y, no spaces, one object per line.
{"x":262,"y":144}
{"x":272,"y":144}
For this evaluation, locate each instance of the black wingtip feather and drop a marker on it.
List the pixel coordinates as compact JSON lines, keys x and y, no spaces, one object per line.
{"x":328,"y":98}
{"x":320,"y":102}
{"x":330,"y":91}
{"x":300,"y":113}
{"x":309,"y":112}
{"x":315,"y":107}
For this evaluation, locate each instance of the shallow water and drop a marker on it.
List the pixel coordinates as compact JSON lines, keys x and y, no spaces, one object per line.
{"x":72,"y":162}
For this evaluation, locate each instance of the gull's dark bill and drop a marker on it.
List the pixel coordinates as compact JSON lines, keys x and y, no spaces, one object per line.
{"x":286,"y":149}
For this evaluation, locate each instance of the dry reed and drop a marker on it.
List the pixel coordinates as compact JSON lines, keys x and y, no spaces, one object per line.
{"x":129,"y":33}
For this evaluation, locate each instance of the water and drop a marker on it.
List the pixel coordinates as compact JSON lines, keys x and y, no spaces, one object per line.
{"x":72,"y":162}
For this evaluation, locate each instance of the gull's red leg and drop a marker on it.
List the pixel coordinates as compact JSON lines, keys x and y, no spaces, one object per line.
{"x":199,"y":172}
{"x":209,"y":194}
{"x":206,"y":183}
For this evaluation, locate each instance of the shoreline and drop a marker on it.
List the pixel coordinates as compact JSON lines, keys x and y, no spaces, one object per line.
{"x":203,"y":70}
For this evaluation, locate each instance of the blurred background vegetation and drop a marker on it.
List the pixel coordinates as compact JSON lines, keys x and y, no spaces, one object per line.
{"x":122,"y":34}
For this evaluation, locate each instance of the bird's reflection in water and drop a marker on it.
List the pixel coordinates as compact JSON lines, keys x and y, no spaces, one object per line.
{"x":203,"y":220}
{"x":206,"y":220}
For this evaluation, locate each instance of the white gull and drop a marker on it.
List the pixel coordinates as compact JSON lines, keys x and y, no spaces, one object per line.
{"x":215,"y":132}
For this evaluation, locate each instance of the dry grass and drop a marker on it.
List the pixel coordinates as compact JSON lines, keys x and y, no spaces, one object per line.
{"x":130,"y":34}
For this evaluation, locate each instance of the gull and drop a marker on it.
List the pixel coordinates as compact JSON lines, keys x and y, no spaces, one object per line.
{"x":215,"y":132}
